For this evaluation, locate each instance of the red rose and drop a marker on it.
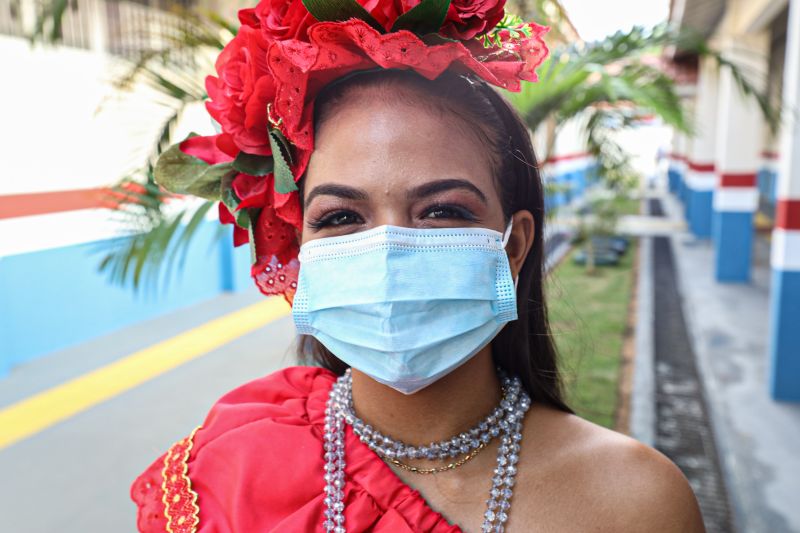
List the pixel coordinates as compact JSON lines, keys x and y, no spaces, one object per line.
{"x":283,"y":19}
{"x":386,"y":12}
{"x":468,"y":18}
{"x":242,"y":90}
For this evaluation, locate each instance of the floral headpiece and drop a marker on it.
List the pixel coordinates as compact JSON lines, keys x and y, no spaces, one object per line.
{"x":269,"y":75}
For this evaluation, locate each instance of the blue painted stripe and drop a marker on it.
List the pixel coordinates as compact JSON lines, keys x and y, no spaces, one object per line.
{"x":700,"y":212}
{"x":56,"y":298}
{"x":784,"y":334}
{"x":767,"y":185}
{"x":683,"y":194}
{"x":733,"y":239}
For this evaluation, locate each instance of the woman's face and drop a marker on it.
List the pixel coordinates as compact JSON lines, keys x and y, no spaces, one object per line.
{"x":377,"y":163}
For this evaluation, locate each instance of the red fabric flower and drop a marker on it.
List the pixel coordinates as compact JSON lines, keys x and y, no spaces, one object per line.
{"x":240,"y":93}
{"x":282,"y":19}
{"x":468,"y":18}
{"x":205,"y":149}
{"x":386,"y":12}
{"x":240,"y":235}
{"x":276,"y":267}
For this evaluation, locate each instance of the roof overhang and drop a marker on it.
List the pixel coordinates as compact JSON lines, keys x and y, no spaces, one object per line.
{"x":701,"y":16}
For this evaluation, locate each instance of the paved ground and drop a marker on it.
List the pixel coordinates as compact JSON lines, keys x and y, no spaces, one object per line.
{"x":683,"y":427}
{"x":74,"y":476}
{"x":757,"y":438}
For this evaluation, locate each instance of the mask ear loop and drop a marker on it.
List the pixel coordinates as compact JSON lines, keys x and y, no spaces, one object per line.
{"x":506,"y":237}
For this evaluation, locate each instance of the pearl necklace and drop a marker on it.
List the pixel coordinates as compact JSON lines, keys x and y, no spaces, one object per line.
{"x":505,"y":419}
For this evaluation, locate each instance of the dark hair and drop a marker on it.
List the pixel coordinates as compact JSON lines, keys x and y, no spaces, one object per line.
{"x":524,"y":347}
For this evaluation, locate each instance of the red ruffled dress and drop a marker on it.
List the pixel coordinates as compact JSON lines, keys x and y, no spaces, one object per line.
{"x":256,"y":465}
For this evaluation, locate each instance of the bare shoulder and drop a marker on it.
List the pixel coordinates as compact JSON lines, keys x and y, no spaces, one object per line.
{"x":600,"y":478}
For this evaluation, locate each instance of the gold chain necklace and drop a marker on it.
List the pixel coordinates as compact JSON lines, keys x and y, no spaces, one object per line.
{"x":436,"y":470}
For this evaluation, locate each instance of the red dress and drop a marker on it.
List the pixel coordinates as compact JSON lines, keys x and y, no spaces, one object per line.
{"x":256,"y":465}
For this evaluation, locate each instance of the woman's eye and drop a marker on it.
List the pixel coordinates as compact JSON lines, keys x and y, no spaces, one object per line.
{"x":339,"y":218}
{"x":448,"y":211}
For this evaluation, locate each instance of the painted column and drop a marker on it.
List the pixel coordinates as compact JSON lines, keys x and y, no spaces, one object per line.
{"x":681,"y":162}
{"x":767,"y":180}
{"x":674,"y":169}
{"x":785,"y":298}
{"x":700,"y":175}
{"x":738,"y":157}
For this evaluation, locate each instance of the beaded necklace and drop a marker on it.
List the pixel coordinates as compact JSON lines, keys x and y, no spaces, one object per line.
{"x":505,"y":422}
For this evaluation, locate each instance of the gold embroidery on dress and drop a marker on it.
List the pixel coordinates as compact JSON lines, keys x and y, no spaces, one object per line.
{"x":180,"y":501}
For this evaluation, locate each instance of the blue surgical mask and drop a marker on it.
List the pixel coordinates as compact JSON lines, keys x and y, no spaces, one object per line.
{"x":405,"y":306}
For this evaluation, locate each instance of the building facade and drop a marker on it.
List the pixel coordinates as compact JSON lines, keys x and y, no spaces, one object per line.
{"x":736,"y":175}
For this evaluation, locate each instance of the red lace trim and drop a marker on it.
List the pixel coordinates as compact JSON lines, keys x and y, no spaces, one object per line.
{"x":180,"y":501}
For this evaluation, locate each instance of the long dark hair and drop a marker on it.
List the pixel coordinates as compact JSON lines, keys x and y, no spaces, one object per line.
{"x":524,"y":347}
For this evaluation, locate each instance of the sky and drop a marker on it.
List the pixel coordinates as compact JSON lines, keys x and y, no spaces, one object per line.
{"x":594,"y":19}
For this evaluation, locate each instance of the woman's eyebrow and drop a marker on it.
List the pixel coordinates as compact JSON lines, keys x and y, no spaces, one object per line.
{"x":433,"y":187}
{"x":332,"y":189}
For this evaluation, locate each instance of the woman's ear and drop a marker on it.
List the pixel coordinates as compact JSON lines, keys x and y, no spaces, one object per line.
{"x":521,"y":240}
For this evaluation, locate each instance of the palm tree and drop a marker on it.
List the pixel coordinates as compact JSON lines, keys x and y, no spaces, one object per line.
{"x":608,"y":83}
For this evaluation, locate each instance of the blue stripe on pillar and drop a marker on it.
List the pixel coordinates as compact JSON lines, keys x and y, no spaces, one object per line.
{"x":733,"y":237}
{"x":785,"y":336}
{"x":580,"y":182}
{"x":700,"y":213}
{"x":684,"y":193}
{"x":772,"y":194}
{"x":763,"y":181}
{"x":673,"y":178}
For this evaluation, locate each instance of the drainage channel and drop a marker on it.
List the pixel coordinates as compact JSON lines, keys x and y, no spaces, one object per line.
{"x":683,"y":425}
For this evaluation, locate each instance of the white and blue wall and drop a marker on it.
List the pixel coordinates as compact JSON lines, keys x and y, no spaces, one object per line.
{"x":54,"y":296}
{"x":53,"y":232}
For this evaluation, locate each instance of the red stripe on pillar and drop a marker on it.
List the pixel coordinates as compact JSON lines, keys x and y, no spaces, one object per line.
{"x":737,"y":180}
{"x":769,"y":155}
{"x":701,"y":167}
{"x":787,"y":214}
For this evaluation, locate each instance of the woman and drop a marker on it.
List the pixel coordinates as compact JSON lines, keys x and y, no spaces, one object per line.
{"x":435,"y":402}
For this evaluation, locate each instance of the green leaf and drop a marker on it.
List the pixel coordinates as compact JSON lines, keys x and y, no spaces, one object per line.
{"x":339,"y":11}
{"x":255,"y":165}
{"x":434,"y":39}
{"x":185,"y":174}
{"x":426,"y":17}
{"x":231,"y":201}
{"x":254,"y":214}
{"x":281,"y":155}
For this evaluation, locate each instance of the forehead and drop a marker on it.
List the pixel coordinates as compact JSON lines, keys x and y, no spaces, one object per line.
{"x":374,"y":142}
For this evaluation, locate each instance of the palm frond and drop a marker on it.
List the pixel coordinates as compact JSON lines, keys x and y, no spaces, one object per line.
{"x":149,"y":255}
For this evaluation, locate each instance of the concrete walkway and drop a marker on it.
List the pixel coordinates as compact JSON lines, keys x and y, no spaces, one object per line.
{"x":758,"y":438}
{"x":75,"y":476}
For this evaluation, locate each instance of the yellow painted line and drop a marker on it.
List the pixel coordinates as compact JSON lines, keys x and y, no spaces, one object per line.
{"x":31,"y":415}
